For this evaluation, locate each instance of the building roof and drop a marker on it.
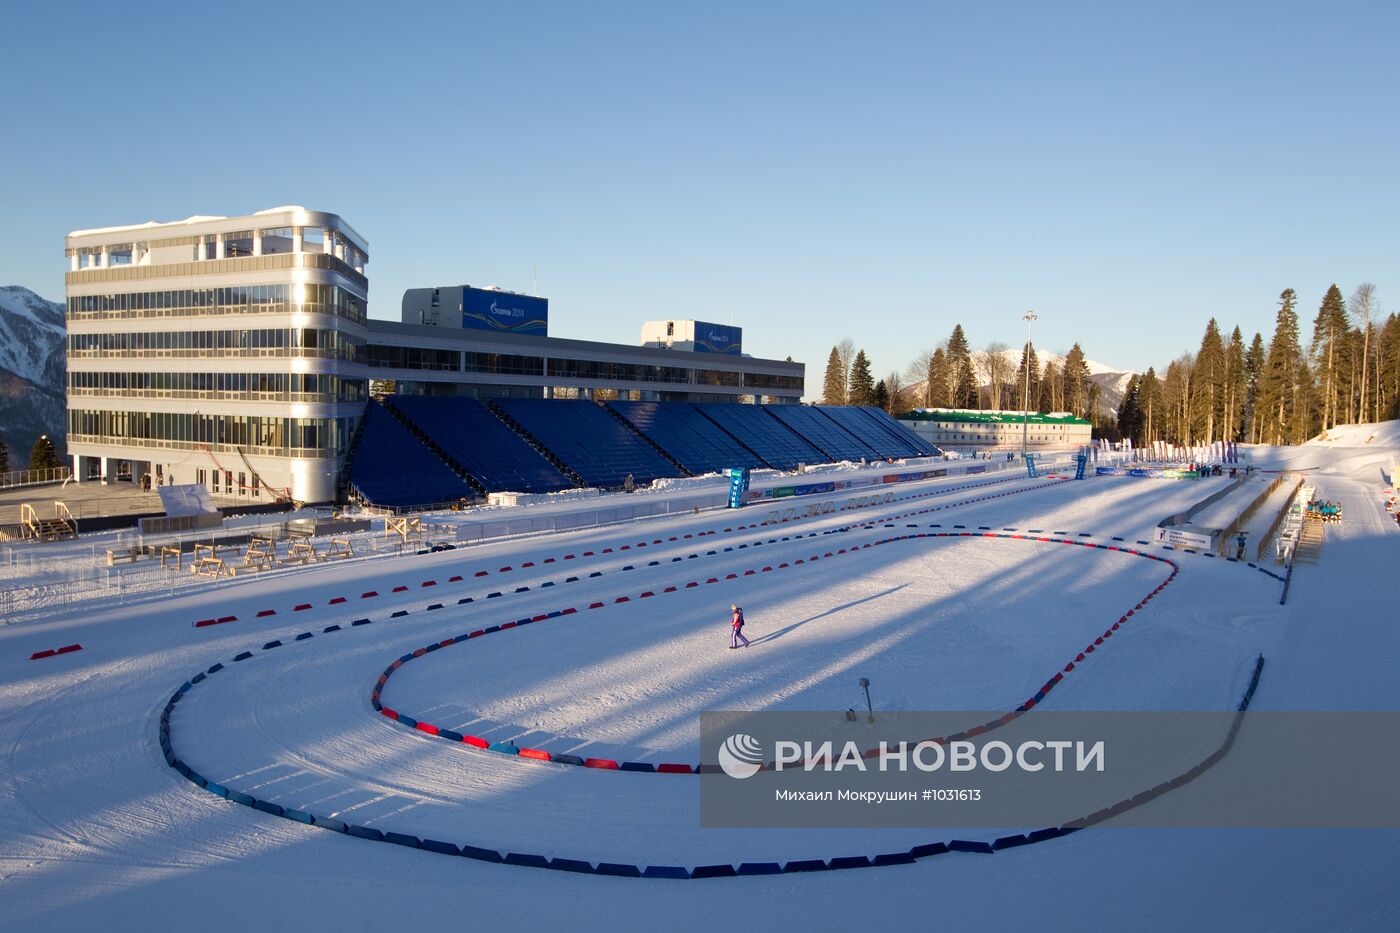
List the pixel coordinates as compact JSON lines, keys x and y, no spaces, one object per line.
{"x":966,"y":416}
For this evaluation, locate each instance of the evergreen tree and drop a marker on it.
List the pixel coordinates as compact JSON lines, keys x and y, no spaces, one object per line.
{"x":1076,"y":377}
{"x":1279,"y":382}
{"x":1253,"y":375}
{"x":881,"y":399}
{"x":1149,"y":403}
{"x":4,"y":457}
{"x":1306,"y":421}
{"x":1390,"y":366}
{"x":963,"y":379}
{"x":43,"y":456}
{"x":1028,"y":359}
{"x":937,"y":392}
{"x":861,"y":385}
{"x":1233,"y":409}
{"x":834,"y":385}
{"x":1329,"y":348}
{"x":1050,"y":399}
{"x":1208,"y":385}
{"x":1130,"y":411}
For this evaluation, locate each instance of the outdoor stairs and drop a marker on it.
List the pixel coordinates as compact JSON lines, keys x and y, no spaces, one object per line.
{"x":646,"y":440}
{"x":534,"y":442}
{"x":1309,"y":543}
{"x":437,"y":450}
{"x":52,"y":529}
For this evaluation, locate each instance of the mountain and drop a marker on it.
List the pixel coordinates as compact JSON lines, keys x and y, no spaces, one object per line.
{"x":32,"y":371}
{"x":1112,"y":382}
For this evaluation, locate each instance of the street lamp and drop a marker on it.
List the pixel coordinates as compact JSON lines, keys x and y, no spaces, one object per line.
{"x":1029,"y":318}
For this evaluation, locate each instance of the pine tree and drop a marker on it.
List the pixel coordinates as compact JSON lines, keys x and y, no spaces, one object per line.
{"x":963,"y":379}
{"x":861,"y":385}
{"x":1076,"y":376}
{"x":1390,"y":366}
{"x":1130,"y":411}
{"x":834,"y":385}
{"x":1329,"y":348}
{"x":43,"y":456}
{"x":1208,"y":385}
{"x":1149,"y":403}
{"x":1031,"y":399}
{"x":937,"y":393}
{"x":4,"y":457}
{"x":1364,"y":308}
{"x":1253,"y":376}
{"x":1050,"y":397}
{"x":1233,"y":410}
{"x":1279,"y":383}
{"x":881,"y":397}
{"x":1306,"y":421}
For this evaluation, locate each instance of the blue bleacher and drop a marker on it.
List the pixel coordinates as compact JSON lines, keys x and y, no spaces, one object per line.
{"x":589,"y":440}
{"x":481,"y":443}
{"x":899,"y":432}
{"x":695,"y":441}
{"x":394,"y":468}
{"x":821,"y":432}
{"x":768,"y":437}
{"x":867,"y":429}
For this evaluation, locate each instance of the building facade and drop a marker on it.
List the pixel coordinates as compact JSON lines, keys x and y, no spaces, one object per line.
{"x":223,"y":351}
{"x":954,"y":428}
{"x":236,"y":353}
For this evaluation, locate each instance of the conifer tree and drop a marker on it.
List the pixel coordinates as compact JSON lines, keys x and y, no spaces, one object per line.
{"x":1233,"y":407}
{"x":1028,"y":358}
{"x":1253,"y":376}
{"x":861,"y":385}
{"x":4,"y":457}
{"x":1329,"y":347}
{"x":1130,"y":411}
{"x":937,"y":393}
{"x":834,"y":385}
{"x":881,"y":396}
{"x":963,"y":378}
{"x":1149,"y":403}
{"x":43,"y":456}
{"x":1076,"y":377}
{"x":1208,"y":385}
{"x":1279,"y":381}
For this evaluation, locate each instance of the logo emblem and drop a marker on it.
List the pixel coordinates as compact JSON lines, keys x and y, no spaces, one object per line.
{"x":741,"y":756}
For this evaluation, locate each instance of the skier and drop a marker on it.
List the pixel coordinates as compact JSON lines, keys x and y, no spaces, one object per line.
{"x":736,"y":623}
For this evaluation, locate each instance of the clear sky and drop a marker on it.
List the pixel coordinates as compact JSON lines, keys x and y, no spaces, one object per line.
{"x":808,"y":171}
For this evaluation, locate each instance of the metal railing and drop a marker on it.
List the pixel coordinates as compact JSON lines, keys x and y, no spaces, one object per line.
{"x":34,"y":477}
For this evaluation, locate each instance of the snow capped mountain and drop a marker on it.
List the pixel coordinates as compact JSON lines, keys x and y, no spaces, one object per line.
{"x":32,"y":365}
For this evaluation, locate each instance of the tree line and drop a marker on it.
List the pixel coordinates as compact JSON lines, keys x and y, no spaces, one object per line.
{"x":953,"y":375}
{"x":1279,"y":393}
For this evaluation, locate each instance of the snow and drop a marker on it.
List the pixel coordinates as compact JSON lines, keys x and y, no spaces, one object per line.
{"x":96,"y":831}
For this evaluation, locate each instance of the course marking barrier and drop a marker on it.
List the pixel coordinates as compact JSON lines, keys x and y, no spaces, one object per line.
{"x":888,"y":498}
{"x":677,"y":872}
{"x":53,"y":652}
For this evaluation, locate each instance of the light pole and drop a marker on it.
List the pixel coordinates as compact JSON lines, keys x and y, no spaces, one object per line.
{"x":1029,"y":318}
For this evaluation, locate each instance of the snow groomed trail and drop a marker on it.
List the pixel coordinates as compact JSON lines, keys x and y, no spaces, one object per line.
{"x":96,"y":826}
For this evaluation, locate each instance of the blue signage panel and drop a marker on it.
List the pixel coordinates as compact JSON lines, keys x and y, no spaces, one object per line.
{"x":505,"y":312}
{"x":718,"y":338}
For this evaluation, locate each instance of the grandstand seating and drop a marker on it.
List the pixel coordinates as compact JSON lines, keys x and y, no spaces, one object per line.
{"x":589,"y":441}
{"x":858,"y":422}
{"x":696,"y":442}
{"x":481,"y":444}
{"x":393,"y":468}
{"x":823,"y":433}
{"x":768,"y":437}
{"x":899,"y":432}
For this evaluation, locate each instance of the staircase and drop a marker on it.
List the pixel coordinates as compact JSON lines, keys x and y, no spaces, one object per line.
{"x":648,"y":441}
{"x":342,"y":481}
{"x":1309,"y":543}
{"x":534,"y":442}
{"x":432,"y":445}
{"x":59,"y":528}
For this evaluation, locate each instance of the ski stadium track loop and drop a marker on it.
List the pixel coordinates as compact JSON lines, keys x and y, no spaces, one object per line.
{"x":479,"y":573}
{"x":742,"y":868}
{"x":678,"y":872}
{"x":537,"y":754}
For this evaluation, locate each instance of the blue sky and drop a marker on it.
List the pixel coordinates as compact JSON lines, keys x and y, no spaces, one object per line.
{"x":878,"y":171}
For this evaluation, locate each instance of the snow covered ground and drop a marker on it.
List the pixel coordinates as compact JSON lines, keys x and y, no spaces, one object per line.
{"x":96,"y":832}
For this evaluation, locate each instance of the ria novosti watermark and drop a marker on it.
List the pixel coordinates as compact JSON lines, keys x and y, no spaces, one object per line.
{"x":1049,"y":769}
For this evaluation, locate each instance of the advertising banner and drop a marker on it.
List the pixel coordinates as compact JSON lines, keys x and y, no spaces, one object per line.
{"x":1181,"y":538}
{"x":505,"y":312}
{"x":718,"y":338}
{"x":1147,"y":474}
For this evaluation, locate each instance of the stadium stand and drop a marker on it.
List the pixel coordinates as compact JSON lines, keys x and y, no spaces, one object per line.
{"x":859,"y":423}
{"x":588,"y":440}
{"x":898,"y":432}
{"x":768,"y":437}
{"x":481,"y":444}
{"x":694,"y":441}
{"x":823,"y":433}
{"x":395,"y":469}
